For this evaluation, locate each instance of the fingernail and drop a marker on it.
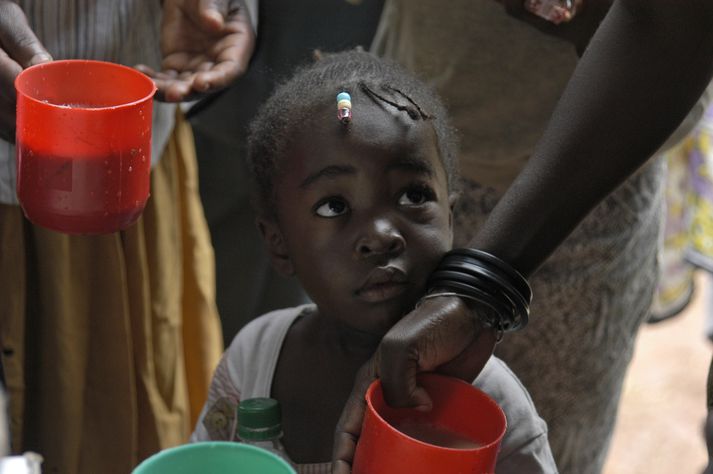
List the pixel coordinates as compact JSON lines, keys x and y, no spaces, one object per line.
{"x":40,"y":58}
{"x":215,"y":16}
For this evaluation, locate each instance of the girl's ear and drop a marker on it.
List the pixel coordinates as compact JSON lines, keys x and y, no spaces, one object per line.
{"x":276,"y":246}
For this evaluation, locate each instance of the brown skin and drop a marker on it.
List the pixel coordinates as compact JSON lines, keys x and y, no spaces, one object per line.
{"x":605,"y":127}
{"x":19,"y":49}
{"x":377,"y":198}
{"x":206,"y":44}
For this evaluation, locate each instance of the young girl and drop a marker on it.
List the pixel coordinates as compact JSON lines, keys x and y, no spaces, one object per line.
{"x":356,"y":200}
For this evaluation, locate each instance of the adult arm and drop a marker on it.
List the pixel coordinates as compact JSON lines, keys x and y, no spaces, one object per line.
{"x":206,"y":45}
{"x":643,"y":70}
{"x":19,"y":49}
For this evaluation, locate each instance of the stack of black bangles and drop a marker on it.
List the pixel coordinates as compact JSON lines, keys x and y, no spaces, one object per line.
{"x":479,"y":276}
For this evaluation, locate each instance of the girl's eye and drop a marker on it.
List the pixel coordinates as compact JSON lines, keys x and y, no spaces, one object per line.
{"x":416,"y":196}
{"x":332,"y":207}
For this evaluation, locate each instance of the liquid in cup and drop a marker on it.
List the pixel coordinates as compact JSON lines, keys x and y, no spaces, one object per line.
{"x":460,"y":435}
{"x":437,"y":435}
{"x":83,"y":145}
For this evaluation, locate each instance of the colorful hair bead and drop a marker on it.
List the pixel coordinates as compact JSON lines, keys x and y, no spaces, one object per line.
{"x":344,"y":107}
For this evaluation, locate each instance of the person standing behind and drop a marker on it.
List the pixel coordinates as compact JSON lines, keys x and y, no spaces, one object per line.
{"x":502,"y":76}
{"x":108,"y":341}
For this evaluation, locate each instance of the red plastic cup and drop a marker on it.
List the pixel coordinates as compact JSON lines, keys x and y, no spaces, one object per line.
{"x":83,"y":145}
{"x":463,"y":418}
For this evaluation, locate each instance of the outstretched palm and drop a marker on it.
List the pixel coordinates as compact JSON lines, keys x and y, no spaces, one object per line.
{"x":205,"y":44}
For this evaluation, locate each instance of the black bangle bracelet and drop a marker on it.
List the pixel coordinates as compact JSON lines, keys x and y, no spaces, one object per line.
{"x":478,"y":275}
{"x":493,"y":319}
{"x":514,"y":276}
{"x":441,"y":279}
{"x":485,"y":275}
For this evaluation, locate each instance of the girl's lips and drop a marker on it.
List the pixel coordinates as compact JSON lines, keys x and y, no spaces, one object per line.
{"x":380,"y":292}
{"x":383,"y":284}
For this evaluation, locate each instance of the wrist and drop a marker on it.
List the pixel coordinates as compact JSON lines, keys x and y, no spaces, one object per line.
{"x":501,"y":294}
{"x":481,"y":316}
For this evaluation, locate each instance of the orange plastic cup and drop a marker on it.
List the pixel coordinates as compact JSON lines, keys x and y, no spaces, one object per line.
{"x":463,"y":418}
{"x":83,"y":145}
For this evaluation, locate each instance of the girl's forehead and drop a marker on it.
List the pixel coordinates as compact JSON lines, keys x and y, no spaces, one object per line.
{"x":373,"y":146}
{"x":373,"y":128}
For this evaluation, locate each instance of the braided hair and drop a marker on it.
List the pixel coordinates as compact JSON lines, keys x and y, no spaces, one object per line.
{"x":315,"y":86}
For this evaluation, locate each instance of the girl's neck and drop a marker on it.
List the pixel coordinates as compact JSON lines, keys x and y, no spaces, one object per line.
{"x":345,"y":340}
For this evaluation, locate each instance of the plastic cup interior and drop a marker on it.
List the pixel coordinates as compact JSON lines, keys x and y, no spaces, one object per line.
{"x":214,"y":457}
{"x":84,"y":84}
{"x":462,"y":432}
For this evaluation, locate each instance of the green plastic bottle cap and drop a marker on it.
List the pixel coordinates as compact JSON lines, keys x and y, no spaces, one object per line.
{"x":259,"y":419}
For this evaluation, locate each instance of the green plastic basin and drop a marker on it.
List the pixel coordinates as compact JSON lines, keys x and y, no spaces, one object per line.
{"x":214,"y":457}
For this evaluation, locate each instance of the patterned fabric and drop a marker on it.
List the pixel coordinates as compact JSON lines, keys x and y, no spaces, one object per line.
{"x":590,"y":298}
{"x":122,"y":31}
{"x":688,"y":240}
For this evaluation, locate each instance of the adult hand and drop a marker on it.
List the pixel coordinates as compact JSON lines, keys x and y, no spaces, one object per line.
{"x":577,"y":31}
{"x":442,"y":334}
{"x":206,"y":44}
{"x":19,"y":49}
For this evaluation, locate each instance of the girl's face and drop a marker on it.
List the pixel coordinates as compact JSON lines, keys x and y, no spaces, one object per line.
{"x":363,"y":214}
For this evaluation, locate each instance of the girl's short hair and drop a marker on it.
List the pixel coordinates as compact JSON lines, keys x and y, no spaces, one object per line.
{"x":314,"y":87}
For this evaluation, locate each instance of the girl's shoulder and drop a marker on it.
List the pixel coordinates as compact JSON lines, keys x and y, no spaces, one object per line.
{"x":269,"y":327}
{"x":251,"y":358}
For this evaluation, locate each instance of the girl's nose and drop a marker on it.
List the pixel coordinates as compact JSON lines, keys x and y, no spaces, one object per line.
{"x":381,"y":237}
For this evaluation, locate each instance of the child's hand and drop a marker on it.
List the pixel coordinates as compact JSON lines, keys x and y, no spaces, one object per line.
{"x":577,"y":31}
{"x":441,"y":335}
{"x":206,"y":44}
{"x":19,"y":49}
{"x":348,"y":429}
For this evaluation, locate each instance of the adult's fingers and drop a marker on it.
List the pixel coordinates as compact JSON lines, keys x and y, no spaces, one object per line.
{"x":19,"y":48}
{"x":212,"y":14}
{"x":9,"y":69}
{"x":207,"y":77}
{"x":232,"y":53}
{"x":468,"y":364}
{"x":219,"y":76}
{"x":175,"y":90}
{"x":17,"y":38}
{"x":171,"y":85}
{"x":348,"y":428}
{"x":439,"y":331}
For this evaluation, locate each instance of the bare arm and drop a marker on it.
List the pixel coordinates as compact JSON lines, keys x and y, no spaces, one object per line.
{"x":645,"y":68}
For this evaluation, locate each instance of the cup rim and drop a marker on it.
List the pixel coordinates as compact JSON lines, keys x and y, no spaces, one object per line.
{"x":160,"y":455}
{"x":52,"y":63}
{"x":377,"y":383}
